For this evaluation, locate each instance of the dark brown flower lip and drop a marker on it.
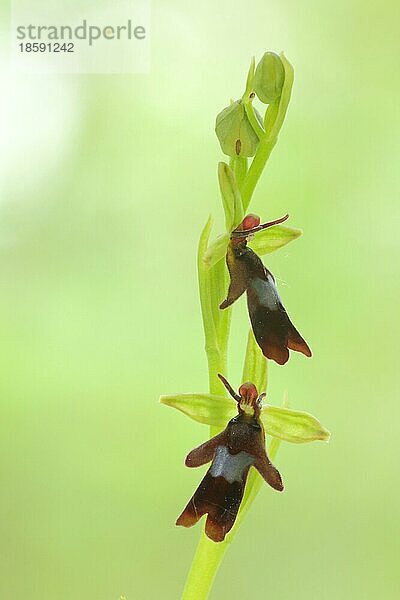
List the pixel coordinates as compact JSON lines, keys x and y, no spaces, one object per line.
{"x":274,"y":331}
{"x":240,"y":446}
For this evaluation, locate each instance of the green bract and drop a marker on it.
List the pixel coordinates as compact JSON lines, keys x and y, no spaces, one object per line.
{"x":269,"y":78}
{"x":234,"y":131}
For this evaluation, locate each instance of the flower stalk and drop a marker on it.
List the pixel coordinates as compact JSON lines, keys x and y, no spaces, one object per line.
{"x":238,"y":180}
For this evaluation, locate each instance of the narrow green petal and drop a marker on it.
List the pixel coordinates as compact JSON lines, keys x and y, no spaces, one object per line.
{"x":231,"y":198}
{"x":292,"y":426}
{"x":204,"y":408}
{"x":272,"y":239}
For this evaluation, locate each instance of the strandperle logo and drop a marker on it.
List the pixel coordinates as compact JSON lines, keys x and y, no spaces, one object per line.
{"x":79,"y":37}
{"x":83,"y":32}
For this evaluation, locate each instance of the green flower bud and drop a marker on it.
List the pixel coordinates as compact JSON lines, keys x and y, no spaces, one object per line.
{"x":269,"y":78}
{"x":234,"y":131}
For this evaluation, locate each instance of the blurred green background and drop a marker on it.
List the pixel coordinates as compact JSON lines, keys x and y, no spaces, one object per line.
{"x":106,"y":183}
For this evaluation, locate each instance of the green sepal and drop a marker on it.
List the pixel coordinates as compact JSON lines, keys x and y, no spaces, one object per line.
{"x":231,"y":199}
{"x":264,"y":242}
{"x":207,"y":409}
{"x":216,"y":250}
{"x":293,"y":426}
{"x":272,"y":239}
{"x":285,"y":424}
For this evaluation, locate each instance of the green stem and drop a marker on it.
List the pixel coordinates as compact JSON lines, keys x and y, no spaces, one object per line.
{"x":204,"y":568}
{"x":256,"y":168}
{"x":209,"y":554}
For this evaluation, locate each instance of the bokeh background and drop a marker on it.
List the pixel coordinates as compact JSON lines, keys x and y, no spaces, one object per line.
{"x":106,"y":183}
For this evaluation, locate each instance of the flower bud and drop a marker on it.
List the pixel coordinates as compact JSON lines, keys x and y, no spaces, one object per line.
{"x":234,"y":131}
{"x":269,"y":78}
